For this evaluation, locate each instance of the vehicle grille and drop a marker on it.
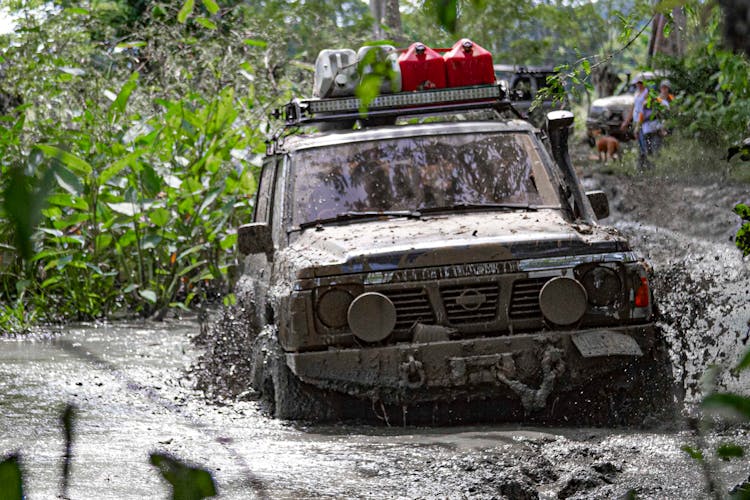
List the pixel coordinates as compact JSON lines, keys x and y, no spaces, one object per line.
{"x":465,"y":304}
{"x":524,"y":302}
{"x":412,"y":305}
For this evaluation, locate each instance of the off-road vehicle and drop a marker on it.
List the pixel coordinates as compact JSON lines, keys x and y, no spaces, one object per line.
{"x":606,"y":114}
{"x":523,"y":84}
{"x":442,"y":269}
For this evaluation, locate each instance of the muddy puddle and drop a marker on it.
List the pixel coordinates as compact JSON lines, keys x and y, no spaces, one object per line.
{"x":131,"y":387}
{"x":128,"y":384}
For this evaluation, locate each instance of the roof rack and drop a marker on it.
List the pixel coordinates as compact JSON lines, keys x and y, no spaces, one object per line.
{"x":308,"y":111}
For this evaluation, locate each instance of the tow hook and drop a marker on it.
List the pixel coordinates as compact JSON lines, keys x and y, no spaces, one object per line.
{"x":536,"y":399}
{"x":412,"y":373}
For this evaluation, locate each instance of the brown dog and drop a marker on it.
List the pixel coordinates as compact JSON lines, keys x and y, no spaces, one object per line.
{"x":607,"y":146}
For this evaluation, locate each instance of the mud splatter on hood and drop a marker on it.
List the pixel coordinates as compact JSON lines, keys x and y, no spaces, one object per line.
{"x":400,"y":243}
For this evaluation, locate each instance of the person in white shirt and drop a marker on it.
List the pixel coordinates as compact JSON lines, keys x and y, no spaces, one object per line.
{"x":636,"y":116}
{"x":654,"y":113}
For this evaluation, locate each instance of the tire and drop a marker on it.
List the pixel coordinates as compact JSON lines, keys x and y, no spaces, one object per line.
{"x":648,"y":394}
{"x":285,"y":395}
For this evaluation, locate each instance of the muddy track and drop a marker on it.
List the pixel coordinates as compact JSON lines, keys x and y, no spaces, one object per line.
{"x":685,"y":228}
{"x":129,"y":384}
{"x":701,"y":283}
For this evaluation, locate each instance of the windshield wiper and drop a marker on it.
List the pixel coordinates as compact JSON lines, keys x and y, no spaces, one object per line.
{"x":347,"y":216}
{"x":478,"y":206}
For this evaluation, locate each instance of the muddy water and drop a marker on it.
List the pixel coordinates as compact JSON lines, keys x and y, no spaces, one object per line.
{"x":133,"y":396}
{"x":128,"y":384}
{"x":702,"y":283}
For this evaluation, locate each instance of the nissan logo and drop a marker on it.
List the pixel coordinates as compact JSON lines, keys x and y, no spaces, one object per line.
{"x":471,"y":299}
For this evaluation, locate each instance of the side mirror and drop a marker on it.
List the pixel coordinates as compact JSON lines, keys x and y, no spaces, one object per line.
{"x":557,"y":120}
{"x":255,"y":238}
{"x":599,"y":203}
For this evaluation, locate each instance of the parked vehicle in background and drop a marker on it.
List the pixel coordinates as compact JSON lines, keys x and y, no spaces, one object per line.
{"x":523,"y":83}
{"x":606,"y":114}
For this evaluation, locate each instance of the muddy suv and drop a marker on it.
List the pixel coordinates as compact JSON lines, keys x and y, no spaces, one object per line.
{"x":523,"y":83}
{"x":606,"y":114}
{"x":441,"y":271}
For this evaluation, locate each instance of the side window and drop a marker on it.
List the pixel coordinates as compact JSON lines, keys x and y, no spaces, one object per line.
{"x":265,"y":192}
{"x":541,"y":82}
{"x":522,"y":88}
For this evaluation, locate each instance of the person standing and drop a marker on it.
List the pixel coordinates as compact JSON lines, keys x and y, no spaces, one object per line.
{"x":636,"y":116}
{"x":654,"y":112}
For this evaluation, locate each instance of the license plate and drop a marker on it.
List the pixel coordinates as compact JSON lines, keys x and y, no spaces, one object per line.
{"x":606,"y":343}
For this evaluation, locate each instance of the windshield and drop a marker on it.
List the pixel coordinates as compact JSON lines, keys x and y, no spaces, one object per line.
{"x":417,"y":173}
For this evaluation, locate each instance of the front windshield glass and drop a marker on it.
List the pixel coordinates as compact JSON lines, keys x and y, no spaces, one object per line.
{"x":413,"y":173}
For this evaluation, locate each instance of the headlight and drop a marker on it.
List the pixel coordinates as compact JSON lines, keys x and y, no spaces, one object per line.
{"x":602,"y":285}
{"x":332,"y":307}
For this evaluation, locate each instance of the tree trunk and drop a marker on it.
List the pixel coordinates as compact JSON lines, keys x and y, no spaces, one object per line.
{"x":736,"y":24}
{"x":671,"y":44}
{"x":387,"y":20}
{"x":377,"y":9}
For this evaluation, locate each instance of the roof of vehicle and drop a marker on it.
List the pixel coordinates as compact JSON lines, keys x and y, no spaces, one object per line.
{"x":332,"y":138}
{"x":648,"y":76}
{"x":515,"y":68}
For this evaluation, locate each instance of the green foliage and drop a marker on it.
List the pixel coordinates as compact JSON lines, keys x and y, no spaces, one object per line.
{"x":726,"y":401}
{"x":742,"y":240}
{"x":377,"y":73}
{"x":693,"y":453}
{"x":188,"y":483}
{"x":116,"y":200}
{"x":145,"y":223}
{"x":738,"y":406}
{"x":11,"y":479}
{"x":713,"y":85}
{"x":124,"y":175}
{"x":727,"y":451}
{"x":521,"y":32}
{"x":742,"y":492}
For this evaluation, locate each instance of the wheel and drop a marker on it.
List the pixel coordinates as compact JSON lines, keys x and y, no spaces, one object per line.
{"x":649,"y":395}
{"x":285,"y":395}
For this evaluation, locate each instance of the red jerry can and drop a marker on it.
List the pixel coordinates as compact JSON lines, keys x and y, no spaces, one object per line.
{"x":421,"y":68}
{"x":468,"y":64}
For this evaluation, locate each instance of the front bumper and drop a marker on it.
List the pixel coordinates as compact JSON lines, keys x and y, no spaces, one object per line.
{"x":481,"y":367}
{"x":608,"y":127}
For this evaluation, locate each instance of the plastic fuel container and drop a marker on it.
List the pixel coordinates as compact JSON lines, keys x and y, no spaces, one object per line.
{"x":374,"y":54}
{"x":421,"y":68}
{"x":335,"y":73}
{"x":468,"y":64}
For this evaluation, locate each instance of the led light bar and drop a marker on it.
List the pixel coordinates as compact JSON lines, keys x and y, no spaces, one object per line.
{"x":452,"y":99}
{"x":402,"y":99}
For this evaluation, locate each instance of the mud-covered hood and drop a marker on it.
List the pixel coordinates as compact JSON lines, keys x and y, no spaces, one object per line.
{"x":620,"y":102}
{"x":400,"y":243}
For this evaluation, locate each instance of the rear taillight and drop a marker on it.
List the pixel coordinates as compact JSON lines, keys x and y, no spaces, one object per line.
{"x":642,"y":294}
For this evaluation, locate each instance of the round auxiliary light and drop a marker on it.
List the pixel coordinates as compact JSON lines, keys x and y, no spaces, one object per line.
{"x":332,"y":307}
{"x":602,"y":285}
{"x":563,"y":301}
{"x":372,"y":316}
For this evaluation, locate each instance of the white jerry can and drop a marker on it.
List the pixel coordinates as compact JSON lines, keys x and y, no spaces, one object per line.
{"x":335,"y":73}
{"x":387,"y":53}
